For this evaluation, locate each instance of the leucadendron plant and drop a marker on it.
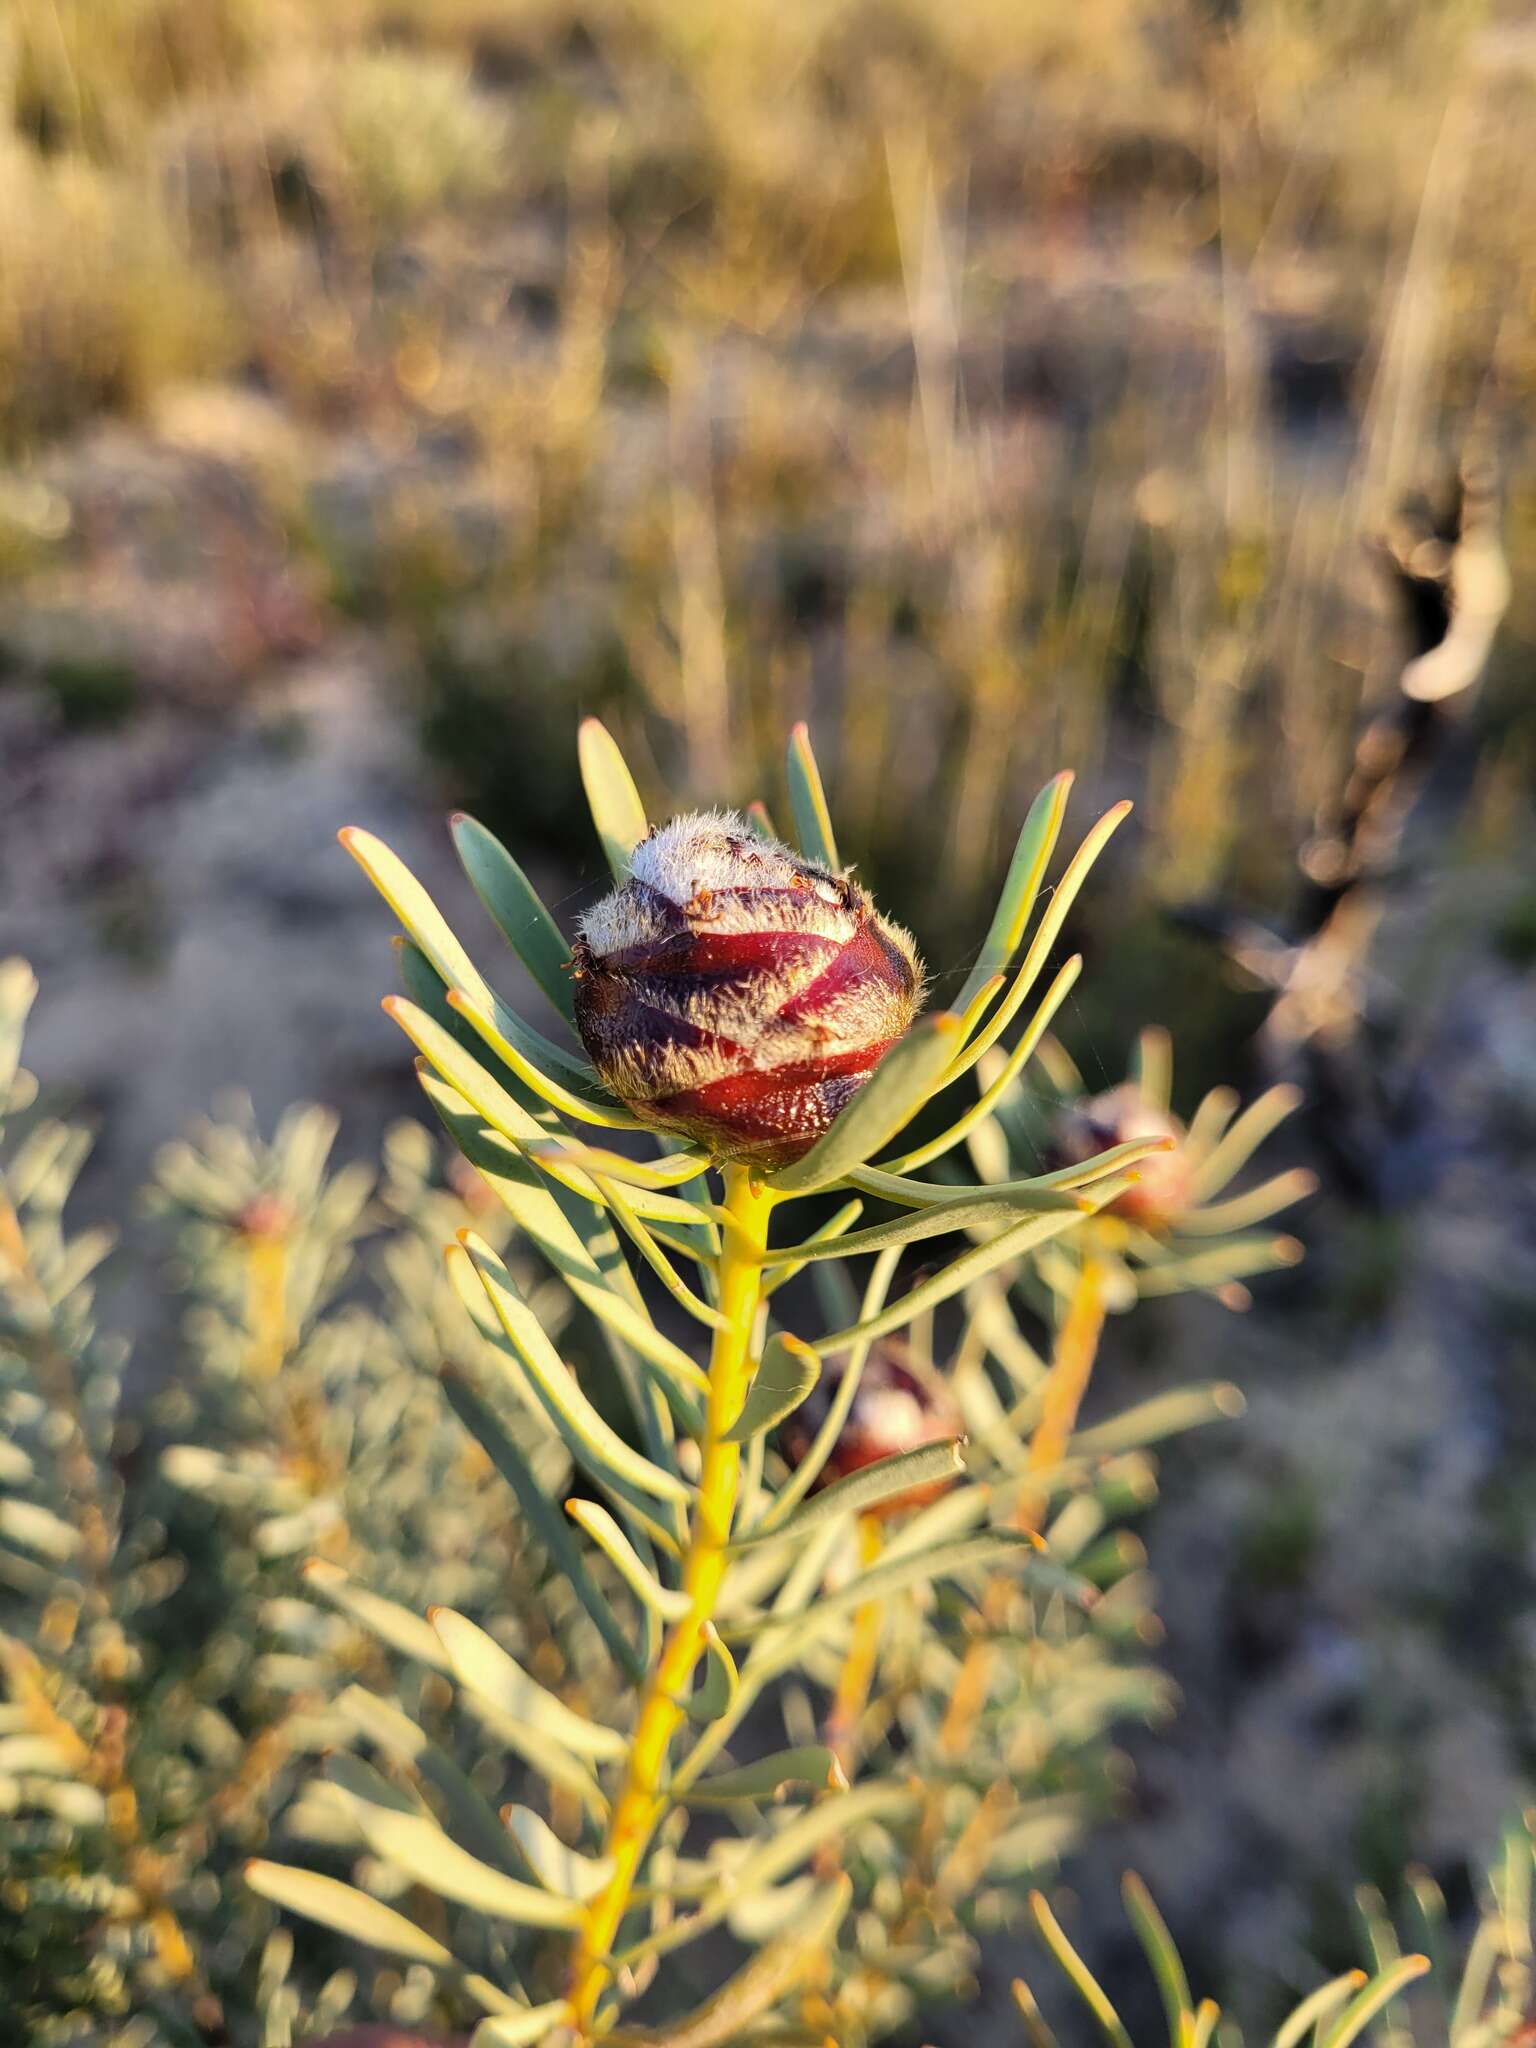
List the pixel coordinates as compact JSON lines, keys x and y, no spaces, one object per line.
{"x":748,"y":1007}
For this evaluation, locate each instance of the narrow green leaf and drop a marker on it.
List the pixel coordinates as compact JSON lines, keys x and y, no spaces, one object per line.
{"x":1051,"y":1188}
{"x":362,"y":1781}
{"x":426,"y":987}
{"x":650,"y":1174}
{"x":1062,"y":897}
{"x":1238,"y":1260}
{"x":837,"y":1225}
{"x":1162,"y":1416}
{"x":547,"y":1757}
{"x":940,"y":1219}
{"x":897,"y":1089}
{"x":617,"y":811}
{"x":811,"y":1466}
{"x":500,"y":1028}
{"x":758,"y":1985}
{"x":944,"y":1560}
{"x":514,"y":903}
{"x":521,"y":2029}
{"x":594,"y":1519}
{"x":549,"y":1526}
{"x":557,"y":1867}
{"x":1087,"y":1986}
{"x":417,"y":913}
{"x":960,"y":1273}
{"x":717,"y":1695}
{"x":808,"y":802}
{"x":414,"y":1843}
{"x":526,"y":1196}
{"x":397,"y":1735}
{"x":1167,"y":1966}
{"x":479,"y":1662}
{"x":1363,"y":2008}
{"x":344,"y":1908}
{"x":781,"y":1853}
{"x":593,"y":1440}
{"x":812,"y":1765}
{"x":397,"y":1626}
{"x":1026,"y":870}
{"x":788,"y":1371}
{"x":995,"y":1095}
{"x":871,"y":1484}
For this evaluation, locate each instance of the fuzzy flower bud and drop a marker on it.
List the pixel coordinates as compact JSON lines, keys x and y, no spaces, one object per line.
{"x":1119,"y":1117}
{"x":732,"y":990}
{"x":894,"y":1409}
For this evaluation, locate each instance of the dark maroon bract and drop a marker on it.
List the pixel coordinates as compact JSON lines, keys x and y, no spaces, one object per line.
{"x":736,"y":992}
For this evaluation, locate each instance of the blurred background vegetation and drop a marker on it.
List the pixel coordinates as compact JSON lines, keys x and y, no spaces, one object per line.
{"x":385,"y":384}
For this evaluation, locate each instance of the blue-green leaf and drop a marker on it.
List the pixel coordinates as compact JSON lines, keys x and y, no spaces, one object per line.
{"x":859,"y":1491}
{"x":513,"y":901}
{"x":788,"y":1371}
{"x":812,"y":1765}
{"x":549,"y":1526}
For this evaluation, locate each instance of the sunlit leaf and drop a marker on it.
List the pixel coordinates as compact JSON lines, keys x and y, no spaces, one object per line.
{"x":808,"y":802}
{"x":521,"y":2029}
{"x":1026,"y":870}
{"x":787,"y":1373}
{"x":559,"y":1868}
{"x":478,"y":1661}
{"x":896,"y":1090}
{"x":717,"y":1695}
{"x":344,"y":1908}
{"x":592,"y":1517}
{"x":593,"y":1440}
{"x":415,"y":1843}
{"x":397,"y":1626}
{"x":617,"y":811}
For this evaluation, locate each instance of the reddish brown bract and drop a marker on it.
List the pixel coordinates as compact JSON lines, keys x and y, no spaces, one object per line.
{"x":895,"y":1408}
{"x":1118,"y":1117}
{"x":733,"y":991}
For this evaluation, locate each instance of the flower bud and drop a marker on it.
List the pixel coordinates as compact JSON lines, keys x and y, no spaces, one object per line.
{"x":895,"y":1408}
{"x":1118,"y":1117}
{"x":734,"y":991}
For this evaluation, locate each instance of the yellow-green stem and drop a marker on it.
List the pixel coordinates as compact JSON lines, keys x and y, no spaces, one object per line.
{"x":640,"y":1804}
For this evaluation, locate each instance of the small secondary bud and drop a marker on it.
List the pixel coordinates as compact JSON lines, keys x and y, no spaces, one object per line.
{"x":732,"y":990}
{"x":1119,"y":1117}
{"x":266,"y":1216}
{"x":894,"y":1409}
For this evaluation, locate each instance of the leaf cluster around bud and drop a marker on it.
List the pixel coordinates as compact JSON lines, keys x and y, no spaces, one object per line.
{"x":723,"y":1535}
{"x":632,"y":1471}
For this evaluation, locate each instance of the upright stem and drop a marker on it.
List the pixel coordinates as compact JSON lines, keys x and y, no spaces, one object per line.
{"x":1077,"y":1347}
{"x":640,"y":1804}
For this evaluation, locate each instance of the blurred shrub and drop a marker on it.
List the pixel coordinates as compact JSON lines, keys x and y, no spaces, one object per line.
{"x":165,"y":1668}
{"x":99,"y":305}
{"x":412,"y":134}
